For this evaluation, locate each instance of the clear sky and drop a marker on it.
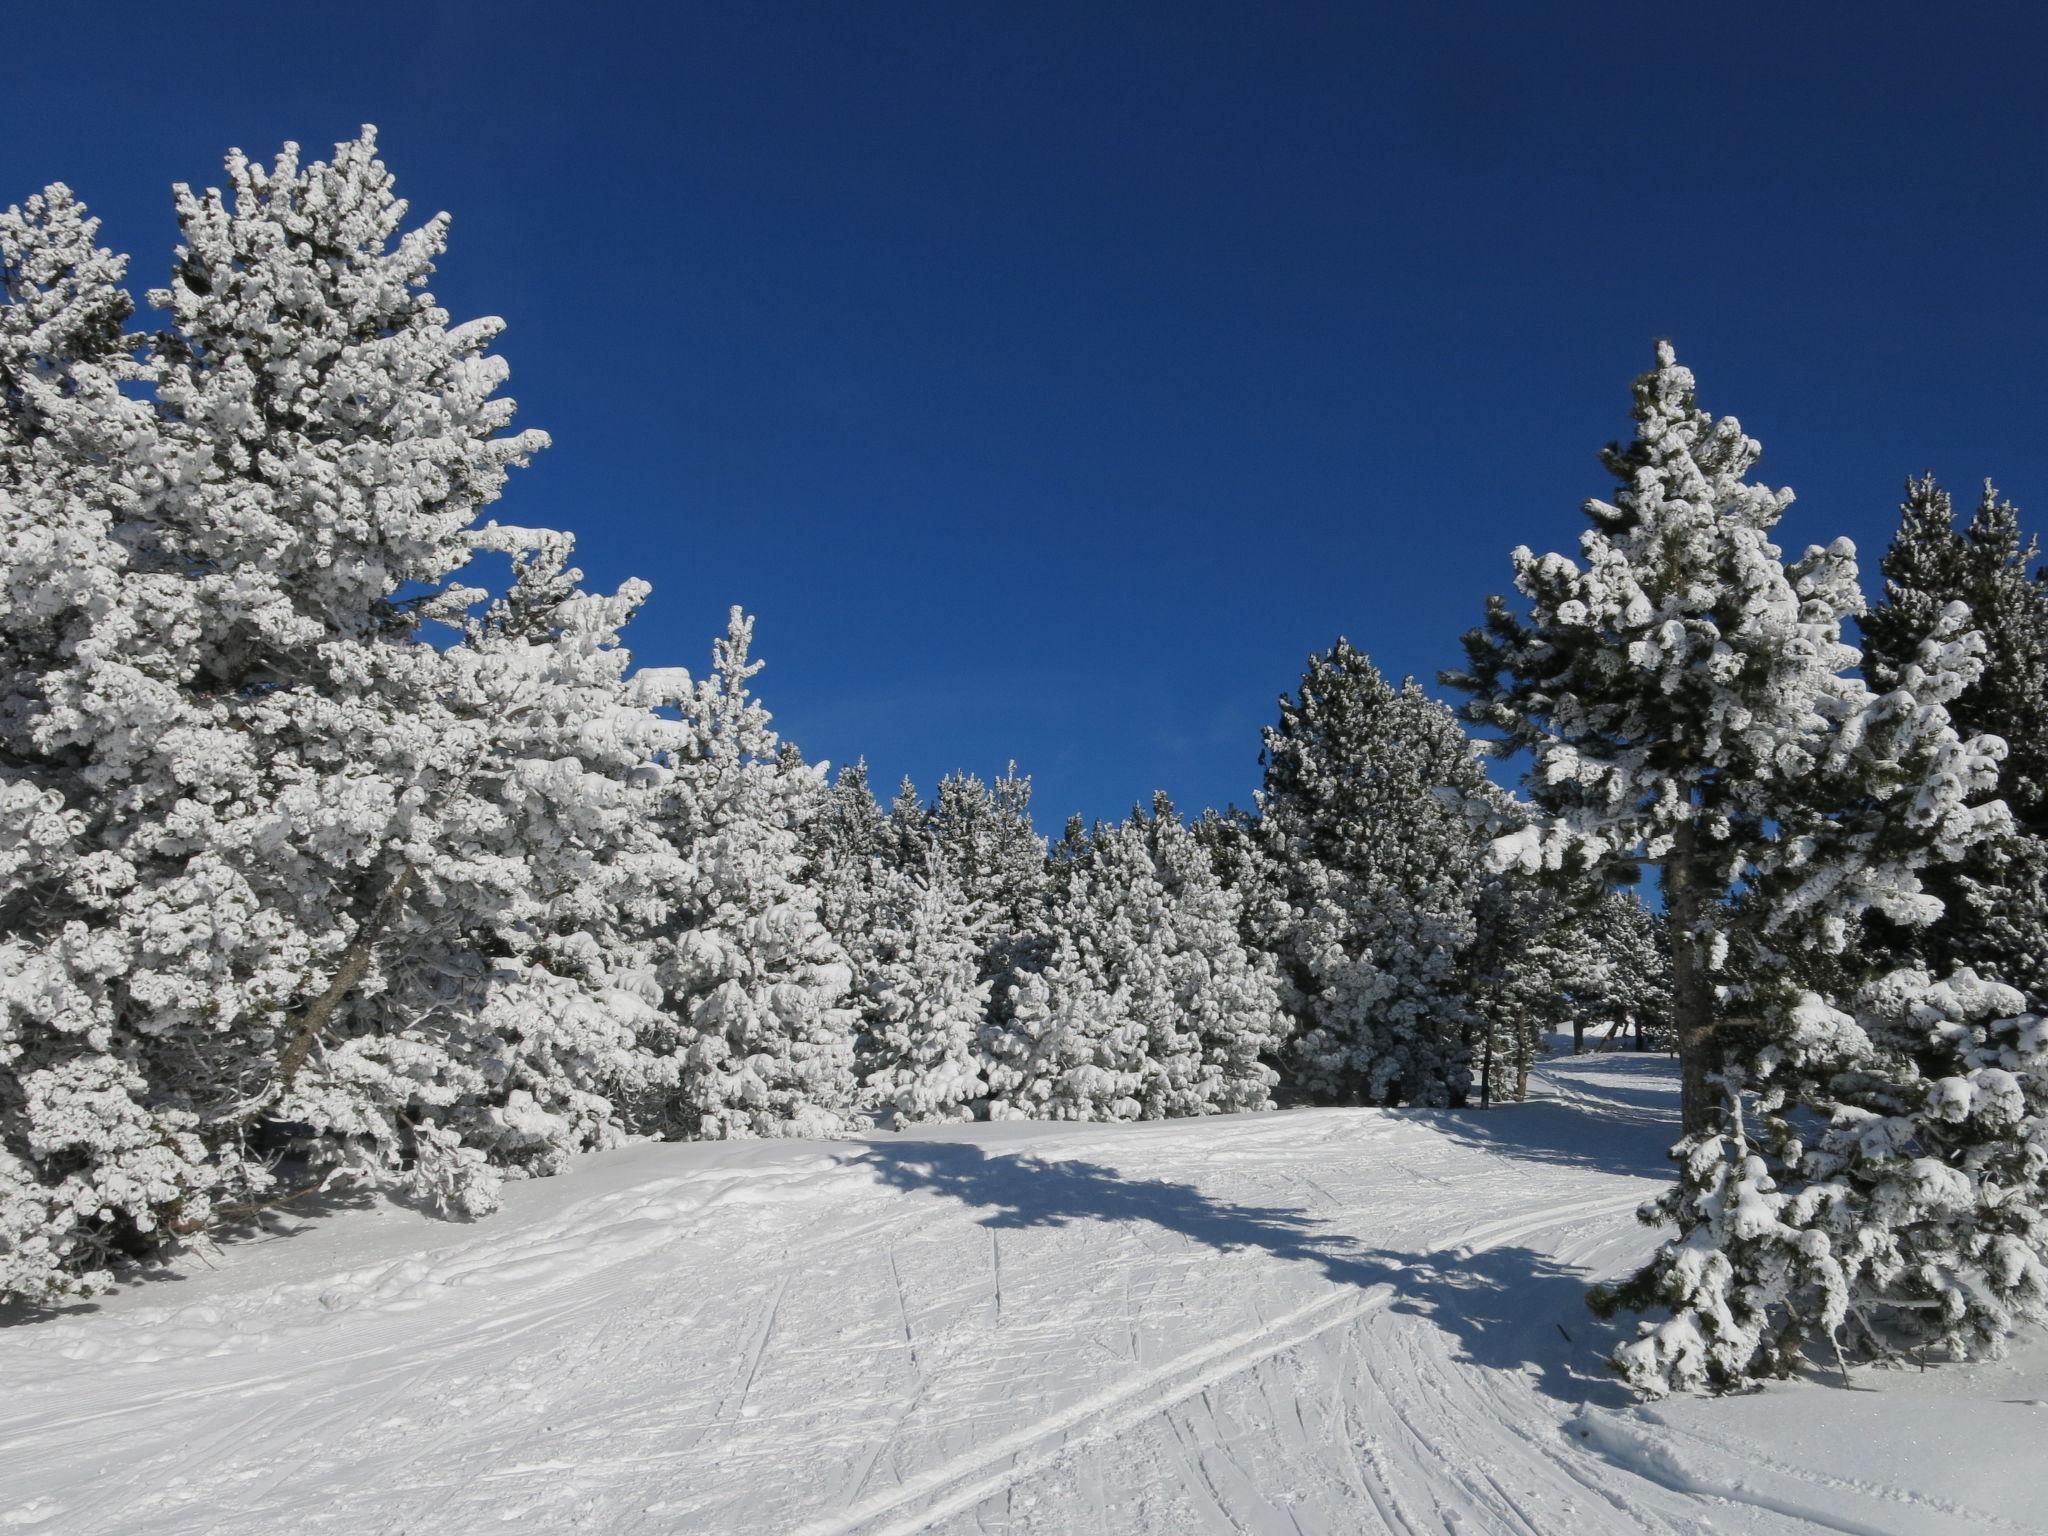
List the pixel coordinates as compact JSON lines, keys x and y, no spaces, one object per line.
{"x":1051,"y":379}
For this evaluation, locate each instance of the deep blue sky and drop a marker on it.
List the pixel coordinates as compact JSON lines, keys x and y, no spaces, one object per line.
{"x":1052,"y":379}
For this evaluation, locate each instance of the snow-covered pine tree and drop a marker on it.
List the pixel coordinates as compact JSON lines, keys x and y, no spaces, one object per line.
{"x":1688,"y":701}
{"x":1521,"y":969}
{"x":567,"y":881}
{"x":1237,"y":852}
{"x":1148,"y":1004}
{"x":345,"y":893}
{"x":1628,"y":985}
{"x":1224,"y":991}
{"x":760,"y":985}
{"x":843,"y":847}
{"x":991,"y":851}
{"x":845,"y":841}
{"x":927,"y":1000}
{"x":1687,"y":698}
{"x":379,"y":840}
{"x":984,"y":843}
{"x":1995,"y":898}
{"x":1044,"y":1047}
{"x":907,"y":840}
{"x":1878,"y":1193}
{"x":1088,"y":1032}
{"x":95,"y":1160}
{"x":1361,"y":815}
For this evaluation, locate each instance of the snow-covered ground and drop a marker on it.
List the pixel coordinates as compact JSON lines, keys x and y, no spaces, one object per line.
{"x":1313,"y":1321}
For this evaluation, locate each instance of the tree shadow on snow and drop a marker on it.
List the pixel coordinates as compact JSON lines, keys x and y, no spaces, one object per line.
{"x":237,"y":1226}
{"x":1509,"y":1309}
{"x":1549,"y":1132}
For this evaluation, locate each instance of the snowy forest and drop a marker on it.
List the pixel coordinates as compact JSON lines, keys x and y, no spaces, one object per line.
{"x":345,"y":843}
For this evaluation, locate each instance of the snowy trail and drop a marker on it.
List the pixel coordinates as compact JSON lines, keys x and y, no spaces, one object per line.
{"x":1310,"y":1322}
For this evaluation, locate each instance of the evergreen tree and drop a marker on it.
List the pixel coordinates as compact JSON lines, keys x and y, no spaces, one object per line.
{"x":1628,"y":983}
{"x":991,"y":851}
{"x":1687,"y":700}
{"x":1879,"y":1193}
{"x":387,"y":843}
{"x":760,"y":985}
{"x":1521,"y":969}
{"x":1361,"y":816}
{"x":313,"y":886}
{"x":1227,"y":993}
{"x":908,"y":841}
{"x":95,"y":1161}
{"x":554,"y":956}
{"x":843,"y":844}
{"x":1995,"y":898}
{"x":1149,"y":1005}
{"x":1045,"y":1049}
{"x":923,"y":1050}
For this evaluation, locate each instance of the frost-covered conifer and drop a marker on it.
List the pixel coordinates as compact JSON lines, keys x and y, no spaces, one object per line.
{"x":1878,"y":1194}
{"x":1045,"y":1050}
{"x":906,"y":838}
{"x":1688,"y":700}
{"x":1628,"y":983}
{"x":927,"y":1000}
{"x":1995,"y":896}
{"x":761,"y":987}
{"x":335,"y":891}
{"x":388,"y":915}
{"x":1361,"y":817}
{"x":1689,"y":703}
{"x":1227,"y":992}
{"x":991,"y":851}
{"x":566,"y":880}
{"x":843,"y":845}
{"x":1520,"y":969}
{"x":1149,"y":1005}
{"x":96,"y":1160}
{"x":1085,"y":1034}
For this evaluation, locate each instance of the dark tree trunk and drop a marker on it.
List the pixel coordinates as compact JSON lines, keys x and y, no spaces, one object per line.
{"x":354,"y":966}
{"x":1692,"y":1010}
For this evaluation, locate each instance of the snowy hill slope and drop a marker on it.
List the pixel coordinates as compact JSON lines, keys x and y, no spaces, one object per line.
{"x":1314,"y":1321}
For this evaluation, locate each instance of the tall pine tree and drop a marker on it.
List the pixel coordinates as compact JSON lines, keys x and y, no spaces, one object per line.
{"x":1687,"y":699}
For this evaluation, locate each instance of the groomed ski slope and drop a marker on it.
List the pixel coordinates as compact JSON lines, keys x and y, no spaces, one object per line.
{"x":1313,"y":1321}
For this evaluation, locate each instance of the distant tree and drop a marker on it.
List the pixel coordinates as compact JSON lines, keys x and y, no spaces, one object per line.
{"x":1361,"y":818}
{"x":922,"y":1055}
{"x":1225,"y":990}
{"x":1522,"y":969}
{"x":1147,"y":1004}
{"x":990,"y":849}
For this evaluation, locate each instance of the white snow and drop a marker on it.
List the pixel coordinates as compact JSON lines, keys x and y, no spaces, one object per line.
{"x":1302,"y":1322}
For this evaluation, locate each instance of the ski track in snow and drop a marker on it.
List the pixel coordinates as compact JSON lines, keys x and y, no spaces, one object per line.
{"x":1312,"y":1322}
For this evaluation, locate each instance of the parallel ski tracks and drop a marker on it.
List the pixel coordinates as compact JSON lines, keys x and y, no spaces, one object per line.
{"x":959,"y":1484}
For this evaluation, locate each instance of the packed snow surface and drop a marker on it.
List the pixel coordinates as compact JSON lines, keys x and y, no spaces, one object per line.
{"x":1302,"y":1322}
